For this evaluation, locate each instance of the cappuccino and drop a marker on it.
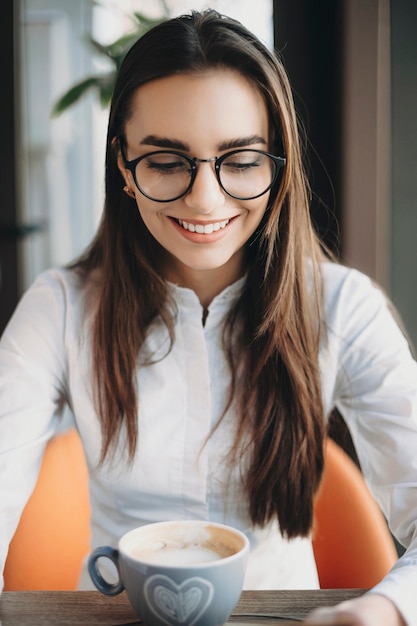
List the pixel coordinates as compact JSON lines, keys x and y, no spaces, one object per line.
{"x":183,"y":545}
{"x":179,"y":552}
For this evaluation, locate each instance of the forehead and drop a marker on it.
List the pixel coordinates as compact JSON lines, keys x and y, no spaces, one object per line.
{"x":215,"y":104}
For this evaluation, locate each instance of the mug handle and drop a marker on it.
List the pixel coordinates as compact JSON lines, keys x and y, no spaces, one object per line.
{"x":109,"y":589}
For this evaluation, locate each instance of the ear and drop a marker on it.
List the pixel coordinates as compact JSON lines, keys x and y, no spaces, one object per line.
{"x":127,"y":175}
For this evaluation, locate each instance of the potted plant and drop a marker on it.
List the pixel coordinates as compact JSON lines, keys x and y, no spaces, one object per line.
{"x":103,"y":84}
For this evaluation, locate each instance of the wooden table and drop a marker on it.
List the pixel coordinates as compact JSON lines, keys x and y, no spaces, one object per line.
{"x":91,"y":608}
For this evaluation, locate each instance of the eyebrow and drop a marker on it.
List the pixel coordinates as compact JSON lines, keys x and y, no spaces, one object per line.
{"x":241,"y":142}
{"x":164,"y":142}
{"x":228,"y":144}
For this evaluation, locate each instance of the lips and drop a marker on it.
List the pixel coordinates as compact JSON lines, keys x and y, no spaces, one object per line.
{"x":204,"y":229}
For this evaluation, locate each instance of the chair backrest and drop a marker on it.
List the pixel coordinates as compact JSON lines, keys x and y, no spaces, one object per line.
{"x":352,"y":545}
{"x":53,"y":535}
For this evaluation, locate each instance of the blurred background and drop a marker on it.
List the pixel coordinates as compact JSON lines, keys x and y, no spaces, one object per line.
{"x":353,"y":67}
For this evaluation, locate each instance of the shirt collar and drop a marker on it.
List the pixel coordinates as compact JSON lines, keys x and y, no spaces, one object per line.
{"x":188,"y":298}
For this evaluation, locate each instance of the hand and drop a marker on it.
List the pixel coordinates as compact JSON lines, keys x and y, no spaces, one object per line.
{"x":368,"y":610}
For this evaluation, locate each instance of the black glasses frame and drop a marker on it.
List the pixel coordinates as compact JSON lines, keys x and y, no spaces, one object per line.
{"x":131,"y":166}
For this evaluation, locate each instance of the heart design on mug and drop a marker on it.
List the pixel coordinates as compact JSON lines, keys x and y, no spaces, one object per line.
{"x":178,"y":604}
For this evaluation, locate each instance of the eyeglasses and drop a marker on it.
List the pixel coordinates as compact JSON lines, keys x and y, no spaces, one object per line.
{"x":167,"y":175}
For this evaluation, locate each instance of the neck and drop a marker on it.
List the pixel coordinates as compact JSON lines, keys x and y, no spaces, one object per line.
{"x":207,"y":284}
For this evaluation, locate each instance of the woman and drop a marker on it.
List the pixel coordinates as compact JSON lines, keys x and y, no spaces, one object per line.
{"x":203,"y":338}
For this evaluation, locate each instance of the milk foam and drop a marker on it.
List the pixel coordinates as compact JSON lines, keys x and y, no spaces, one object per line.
{"x":179,"y":556}
{"x":180,"y":553}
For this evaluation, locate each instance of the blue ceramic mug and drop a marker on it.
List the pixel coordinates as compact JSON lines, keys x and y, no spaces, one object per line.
{"x":178,"y":573}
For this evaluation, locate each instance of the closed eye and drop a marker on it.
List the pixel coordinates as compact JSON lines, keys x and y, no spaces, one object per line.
{"x":165,"y":166}
{"x":240,"y":165}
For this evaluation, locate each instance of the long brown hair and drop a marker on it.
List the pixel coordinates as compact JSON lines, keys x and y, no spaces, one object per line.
{"x":280,"y":425}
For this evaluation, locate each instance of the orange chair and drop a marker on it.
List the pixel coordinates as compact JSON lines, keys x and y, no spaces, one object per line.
{"x":53,"y":535}
{"x":352,"y":545}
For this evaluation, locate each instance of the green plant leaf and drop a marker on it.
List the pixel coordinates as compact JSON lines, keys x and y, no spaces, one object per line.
{"x":147,"y":22}
{"x":119,"y":48}
{"x":115,"y":52}
{"x":100,"y":48}
{"x":106,"y":88}
{"x":72,"y":95}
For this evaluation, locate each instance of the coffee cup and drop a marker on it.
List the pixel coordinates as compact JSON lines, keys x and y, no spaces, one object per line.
{"x":187,"y":573}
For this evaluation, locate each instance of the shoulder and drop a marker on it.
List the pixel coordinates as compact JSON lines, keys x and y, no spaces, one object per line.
{"x":58,"y":288}
{"x":57,"y":300}
{"x":337,"y":278}
{"x":61,"y":279}
{"x":357,"y":312}
{"x":346,"y":290}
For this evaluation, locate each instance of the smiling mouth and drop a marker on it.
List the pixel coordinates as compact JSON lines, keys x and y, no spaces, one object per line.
{"x":204,"y":229}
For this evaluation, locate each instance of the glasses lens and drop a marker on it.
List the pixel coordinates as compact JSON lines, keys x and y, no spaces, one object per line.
{"x":246,"y":174}
{"x":163,"y":176}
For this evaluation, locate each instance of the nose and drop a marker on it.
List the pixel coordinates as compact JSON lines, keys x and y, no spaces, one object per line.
{"x":206,"y":194}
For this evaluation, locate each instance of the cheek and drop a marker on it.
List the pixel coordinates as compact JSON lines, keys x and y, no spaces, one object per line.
{"x":256,"y":217}
{"x":147,"y":213}
{"x":152,"y":220}
{"x":256,"y":211}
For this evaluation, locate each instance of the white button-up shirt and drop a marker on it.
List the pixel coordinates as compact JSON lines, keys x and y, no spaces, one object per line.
{"x":178,"y":470}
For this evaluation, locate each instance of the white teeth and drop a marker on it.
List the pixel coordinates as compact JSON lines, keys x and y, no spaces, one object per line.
{"x":205,"y":229}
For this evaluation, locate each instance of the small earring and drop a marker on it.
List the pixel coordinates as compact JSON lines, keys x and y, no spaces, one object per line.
{"x":129,"y":192}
